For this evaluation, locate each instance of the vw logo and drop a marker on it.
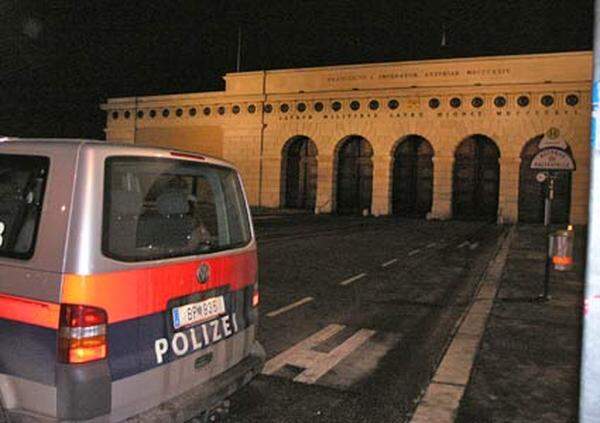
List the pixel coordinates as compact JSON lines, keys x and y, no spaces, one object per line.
{"x":203,"y":273}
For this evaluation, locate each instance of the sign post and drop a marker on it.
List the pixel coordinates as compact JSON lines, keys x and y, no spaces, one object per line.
{"x":552,"y":157}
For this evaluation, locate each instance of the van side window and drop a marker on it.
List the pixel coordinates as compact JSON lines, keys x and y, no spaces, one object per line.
{"x":22,"y":186}
{"x":160,"y":208}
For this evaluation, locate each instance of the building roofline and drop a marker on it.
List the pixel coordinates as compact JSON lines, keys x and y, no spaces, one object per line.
{"x":416,"y":62}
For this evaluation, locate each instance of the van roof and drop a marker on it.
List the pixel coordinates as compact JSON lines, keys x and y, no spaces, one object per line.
{"x":69,"y":144}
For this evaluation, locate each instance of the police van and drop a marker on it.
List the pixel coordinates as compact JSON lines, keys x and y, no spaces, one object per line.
{"x":128,"y":283}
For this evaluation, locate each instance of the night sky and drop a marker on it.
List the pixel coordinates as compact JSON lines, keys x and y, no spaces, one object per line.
{"x":61,"y":59}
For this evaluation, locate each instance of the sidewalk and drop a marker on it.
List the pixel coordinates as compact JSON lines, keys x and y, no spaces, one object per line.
{"x":528,"y":363}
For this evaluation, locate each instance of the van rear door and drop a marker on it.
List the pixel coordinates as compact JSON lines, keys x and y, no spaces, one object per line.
{"x":179,"y":301}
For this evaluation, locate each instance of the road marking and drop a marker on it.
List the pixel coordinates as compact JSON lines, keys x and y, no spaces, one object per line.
{"x":413,"y":252}
{"x":289,"y":307}
{"x":443,"y":396}
{"x":352,"y":279}
{"x":389,"y":263}
{"x":316,"y":364}
{"x":433,"y":244}
{"x":464,"y":244}
{"x":473,"y":246}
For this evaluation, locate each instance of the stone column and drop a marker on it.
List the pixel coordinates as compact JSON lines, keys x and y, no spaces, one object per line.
{"x":442,"y":187}
{"x":120,"y":134}
{"x":324,"y":184}
{"x":381,"y":185}
{"x":579,"y":194}
{"x":271,"y":182}
{"x":508,"y":198}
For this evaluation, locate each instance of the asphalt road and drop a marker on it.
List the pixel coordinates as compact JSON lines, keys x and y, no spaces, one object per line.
{"x":392,"y":290}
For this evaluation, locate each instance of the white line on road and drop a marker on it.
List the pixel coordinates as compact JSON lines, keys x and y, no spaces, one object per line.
{"x":289,"y":307}
{"x":352,"y":279}
{"x":464,"y":244}
{"x":389,"y":263}
{"x":433,"y":244}
{"x":413,"y":252}
{"x":473,"y":246}
{"x":443,"y":396}
{"x":316,"y":363}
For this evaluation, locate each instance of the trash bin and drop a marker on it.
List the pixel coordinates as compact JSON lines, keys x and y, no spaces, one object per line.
{"x":561,"y":249}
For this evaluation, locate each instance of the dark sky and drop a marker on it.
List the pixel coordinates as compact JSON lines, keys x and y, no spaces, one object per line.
{"x":61,"y":59}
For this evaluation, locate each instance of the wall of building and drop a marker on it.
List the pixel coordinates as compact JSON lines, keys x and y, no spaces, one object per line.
{"x":250,"y":122}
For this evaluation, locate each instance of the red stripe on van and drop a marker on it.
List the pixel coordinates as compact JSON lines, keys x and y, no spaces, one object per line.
{"x":34,"y":312}
{"x":135,"y":293}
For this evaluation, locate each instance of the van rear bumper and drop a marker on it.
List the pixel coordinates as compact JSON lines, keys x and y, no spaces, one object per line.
{"x":209,"y":394}
{"x":188,"y":405}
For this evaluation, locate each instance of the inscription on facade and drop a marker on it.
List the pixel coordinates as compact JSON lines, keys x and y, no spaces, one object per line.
{"x":417,"y":74}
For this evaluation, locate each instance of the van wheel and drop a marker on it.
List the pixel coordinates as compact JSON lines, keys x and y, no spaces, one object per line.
{"x":3,"y":415}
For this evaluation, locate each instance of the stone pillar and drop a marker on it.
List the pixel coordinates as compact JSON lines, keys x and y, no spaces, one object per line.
{"x":381,"y":186}
{"x":271,"y":182}
{"x":580,"y":194}
{"x":324,"y":184}
{"x":442,"y":187}
{"x":120,"y":134}
{"x":241,"y":146}
{"x":508,"y":199}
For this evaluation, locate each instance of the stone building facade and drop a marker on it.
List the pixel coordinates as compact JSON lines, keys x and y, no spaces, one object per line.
{"x":439,"y":138}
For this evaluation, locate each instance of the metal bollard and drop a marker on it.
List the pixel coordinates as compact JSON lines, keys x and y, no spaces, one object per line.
{"x":561,"y":249}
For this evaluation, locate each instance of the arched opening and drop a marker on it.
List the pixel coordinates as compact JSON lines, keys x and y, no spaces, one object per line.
{"x":354,"y":176}
{"x":412,"y":176}
{"x":476,"y":179}
{"x":299,"y":173}
{"x":532,"y":193}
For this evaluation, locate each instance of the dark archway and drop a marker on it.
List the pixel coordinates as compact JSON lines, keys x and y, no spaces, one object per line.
{"x":476,"y":179}
{"x":532,"y":193}
{"x":412,"y":177}
{"x":299,"y":174}
{"x":354,"y":176}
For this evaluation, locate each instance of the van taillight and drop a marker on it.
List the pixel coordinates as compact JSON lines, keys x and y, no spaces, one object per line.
{"x":81,"y":334}
{"x":255,"y":296}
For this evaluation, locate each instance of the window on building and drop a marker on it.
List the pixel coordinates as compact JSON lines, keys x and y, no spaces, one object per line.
{"x":477,"y":102}
{"x":455,"y":102}
{"x":572,"y":100}
{"x":500,"y":101}
{"x":523,"y":101}
{"x":547,"y":100}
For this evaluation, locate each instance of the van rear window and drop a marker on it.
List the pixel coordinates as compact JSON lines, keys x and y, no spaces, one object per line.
{"x":22,"y":185}
{"x":160,"y":208}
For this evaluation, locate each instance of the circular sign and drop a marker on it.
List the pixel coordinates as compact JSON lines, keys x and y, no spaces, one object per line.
{"x":553,"y":133}
{"x":541,"y":177}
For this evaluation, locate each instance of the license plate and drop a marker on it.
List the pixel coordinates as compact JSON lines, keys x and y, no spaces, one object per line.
{"x":193,"y":313}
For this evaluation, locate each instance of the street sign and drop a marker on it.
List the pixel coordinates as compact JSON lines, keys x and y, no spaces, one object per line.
{"x":541,"y":177}
{"x":552,"y":139}
{"x":552,"y":159}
